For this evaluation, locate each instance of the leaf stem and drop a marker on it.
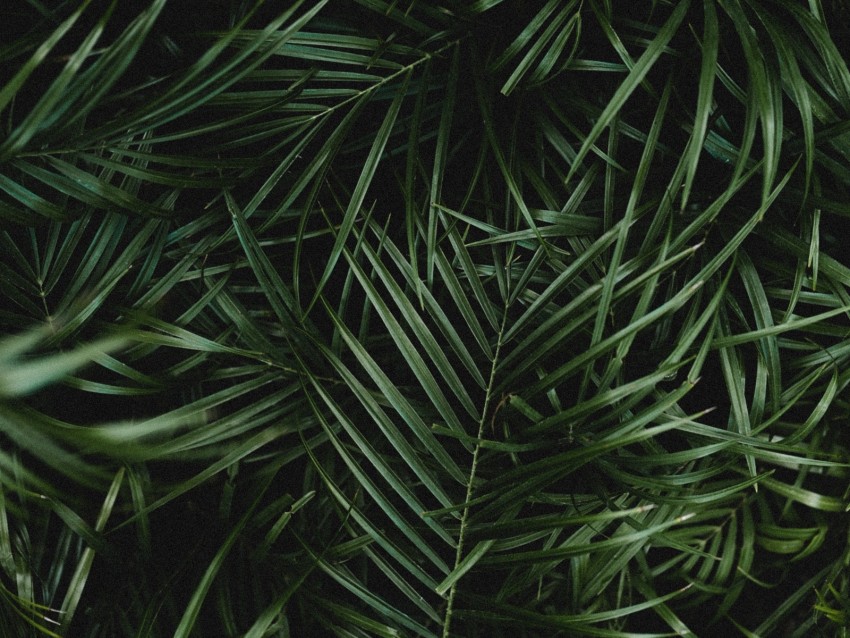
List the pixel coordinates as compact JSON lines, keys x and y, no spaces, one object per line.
{"x":472,"y":471}
{"x":374,"y":87}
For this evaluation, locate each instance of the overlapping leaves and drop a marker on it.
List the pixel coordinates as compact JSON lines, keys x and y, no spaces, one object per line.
{"x":489,"y":320}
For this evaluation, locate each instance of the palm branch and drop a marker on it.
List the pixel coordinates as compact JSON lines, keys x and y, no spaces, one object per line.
{"x":482,"y":319}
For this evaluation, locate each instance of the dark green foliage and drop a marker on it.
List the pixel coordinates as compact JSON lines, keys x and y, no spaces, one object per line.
{"x":424,"y":318}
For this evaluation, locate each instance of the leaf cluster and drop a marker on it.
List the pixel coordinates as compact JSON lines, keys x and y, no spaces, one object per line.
{"x":424,"y":318}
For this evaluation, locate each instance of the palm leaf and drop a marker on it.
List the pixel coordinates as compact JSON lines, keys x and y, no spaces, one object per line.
{"x":485,"y":319}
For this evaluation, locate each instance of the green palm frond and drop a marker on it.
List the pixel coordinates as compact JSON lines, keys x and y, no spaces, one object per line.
{"x":424,"y":318}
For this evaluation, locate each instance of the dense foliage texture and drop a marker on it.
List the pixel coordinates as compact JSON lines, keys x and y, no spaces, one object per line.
{"x":424,"y":318}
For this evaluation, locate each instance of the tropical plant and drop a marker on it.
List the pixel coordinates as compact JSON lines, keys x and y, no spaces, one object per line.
{"x":424,"y":318}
